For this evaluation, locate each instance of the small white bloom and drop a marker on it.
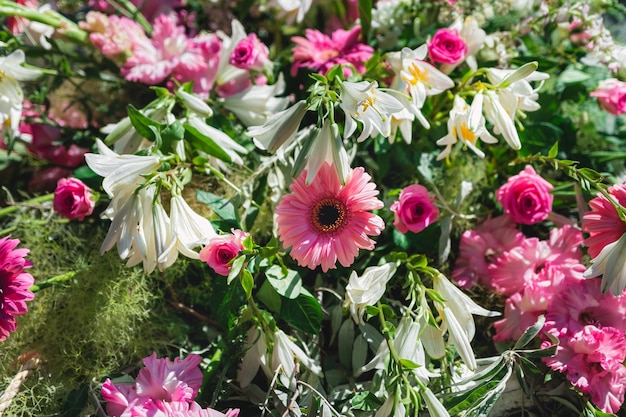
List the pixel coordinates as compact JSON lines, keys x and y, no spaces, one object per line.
{"x":284,"y":356}
{"x":502,"y":120}
{"x":279,"y":129}
{"x":295,"y":10}
{"x":367,"y":289}
{"x":435,"y":408}
{"x":402,"y":121}
{"x":365,"y":103}
{"x":256,"y":103}
{"x":611,"y":264}
{"x":392,"y":403}
{"x":228,"y":145}
{"x":189,"y":229}
{"x":194,"y":103}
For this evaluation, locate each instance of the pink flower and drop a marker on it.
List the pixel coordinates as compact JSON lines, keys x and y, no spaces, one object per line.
{"x":415,"y":210}
{"x":114,"y":36}
{"x":14,"y":285}
{"x":73,"y":199}
{"x":447,"y":47}
{"x":526,"y":197}
{"x":611,"y":94}
{"x":602,"y":222}
{"x":320,"y":53}
{"x":223,"y":249}
{"x":325,"y":221}
{"x":250,"y":54}
{"x":178,"y":409}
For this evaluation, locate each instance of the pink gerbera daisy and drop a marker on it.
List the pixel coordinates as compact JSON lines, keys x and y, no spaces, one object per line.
{"x":602,"y":222}
{"x":14,"y":284}
{"x":325,"y":221}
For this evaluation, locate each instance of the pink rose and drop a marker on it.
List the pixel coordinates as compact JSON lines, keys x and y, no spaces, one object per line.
{"x":526,"y":197}
{"x":611,"y":95}
{"x":447,"y":47}
{"x":414,"y":210}
{"x":73,"y":199}
{"x":250,"y":54}
{"x":221,"y":250}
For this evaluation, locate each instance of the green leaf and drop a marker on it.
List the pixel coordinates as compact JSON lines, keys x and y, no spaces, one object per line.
{"x":271,"y":248}
{"x":205,"y":143}
{"x":76,"y":401}
{"x":235,"y":269}
{"x":572,"y":76}
{"x":365,"y":16}
{"x":173,"y":132}
{"x":408,"y":364}
{"x":247,"y":283}
{"x":530,"y":333}
{"x":365,"y":401}
{"x":268,"y":296}
{"x":286,"y":282}
{"x":222,"y":207}
{"x":142,"y":123}
{"x":304,"y":313}
{"x":554,"y":150}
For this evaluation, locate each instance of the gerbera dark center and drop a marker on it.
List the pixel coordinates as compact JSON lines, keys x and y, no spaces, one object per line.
{"x":329,"y":215}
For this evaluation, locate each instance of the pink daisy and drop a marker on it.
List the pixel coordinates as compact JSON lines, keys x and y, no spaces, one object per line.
{"x":325,"y":221}
{"x":14,"y":285}
{"x":602,"y":222}
{"x":319,"y":52}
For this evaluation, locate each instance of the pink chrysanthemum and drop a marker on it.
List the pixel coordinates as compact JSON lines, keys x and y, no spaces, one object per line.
{"x":14,"y":285}
{"x":602,"y":222}
{"x":320,"y":52}
{"x":325,"y":221}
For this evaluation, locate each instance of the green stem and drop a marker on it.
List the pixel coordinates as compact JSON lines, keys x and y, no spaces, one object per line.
{"x":129,"y":10}
{"x":37,"y":200}
{"x":54,"y":280}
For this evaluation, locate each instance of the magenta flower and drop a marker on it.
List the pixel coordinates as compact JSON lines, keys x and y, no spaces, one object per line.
{"x":221,"y":250}
{"x":447,"y":47}
{"x":602,"y":222}
{"x":250,"y":54}
{"x":611,"y":94}
{"x":73,"y":199}
{"x":526,"y":197}
{"x":325,"y":221}
{"x":415,"y":210}
{"x":14,"y":285}
{"x":319,"y":52}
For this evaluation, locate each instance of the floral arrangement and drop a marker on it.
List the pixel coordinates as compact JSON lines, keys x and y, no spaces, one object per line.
{"x":329,"y":208}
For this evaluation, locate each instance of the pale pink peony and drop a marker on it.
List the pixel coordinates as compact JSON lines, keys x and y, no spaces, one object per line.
{"x":325,"y":221}
{"x":481,"y":247}
{"x":14,"y":285}
{"x":526,"y":197}
{"x":320,"y":53}
{"x":415,"y":210}
{"x":250,"y":54}
{"x":73,"y":199}
{"x":611,"y":94}
{"x":223,"y":249}
{"x":447,"y":47}
{"x":115,"y":36}
{"x":602,"y":222}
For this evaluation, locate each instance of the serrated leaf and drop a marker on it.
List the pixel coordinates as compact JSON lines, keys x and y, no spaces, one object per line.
{"x":304,"y":313}
{"x":287,"y":282}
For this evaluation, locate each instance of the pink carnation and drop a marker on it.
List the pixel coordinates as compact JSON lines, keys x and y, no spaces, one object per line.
{"x":114,"y":36}
{"x":14,"y":285}
{"x":447,"y":47}
{"x":73,"y":199}
{"x":221,"y":250}
{"x":611,"y":94}
{"x":320,"y":53}
{"x":526,"y":197}
{"x":415,"y":210}
{"x":603,"y":222}
{"x":250,"y":54}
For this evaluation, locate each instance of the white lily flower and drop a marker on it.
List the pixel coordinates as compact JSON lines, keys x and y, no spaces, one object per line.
{"x":435,"y":408}
{"x":393,"y":403}
{"x":365,"y":103}
{"x":402,"y":121}
{"x":295,"y":10}
{"x":284,"y":356}
{"x":194,"y":103}
{"x":256,"y":103}
{"x":189,"y":229}
{"x":503,"y":121}
{"x":228,"y":144}
{"x":121,"y":172}
{"x":467,"y":125}
{"x":279,"y":129}
{"x":11,"y":95}
{"x":458,"y":336}
{"x":367,"y":289}
{"x":611,"y":264}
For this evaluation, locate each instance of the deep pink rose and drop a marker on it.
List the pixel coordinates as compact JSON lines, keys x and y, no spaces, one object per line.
{"x":73,"y":199}
{"x":447,"y":47}
{"x":221,"y":250}
{"x":526,"y":197}
{"x":250,"y":54}
{"x":611,"y":94}
{"x":415,"y":209}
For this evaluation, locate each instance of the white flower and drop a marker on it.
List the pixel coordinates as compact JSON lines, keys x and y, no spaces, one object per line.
{"x":194,"y":103}
{"x":365,"y":103}
{"x":256,"y":103}
{"x":367,"y":289}
{"x":435,"y":408}
{"x":392,"y":403}
{"x":284,"y":357}
{"x":279,"y":129}
{"x":402,"y":121}
{"x":189,"y":229}
{"x":467,"y":125}
{"x":611,"y":264}
{"x":228,"y":145}
{"x":502,"y":120}
{"x":11,"y":95}
{"x":295,"y":10}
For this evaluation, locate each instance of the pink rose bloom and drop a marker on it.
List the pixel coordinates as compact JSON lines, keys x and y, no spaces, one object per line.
{"x":73,"y":199}
{"x":320,"y":53}
{"x":221,"y":250}
{"x":414,"y":210}
{"x":526,"y":197}
{"x":250,"y":54}
{"x":611,"y":94}
{"x":447,"y":47}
